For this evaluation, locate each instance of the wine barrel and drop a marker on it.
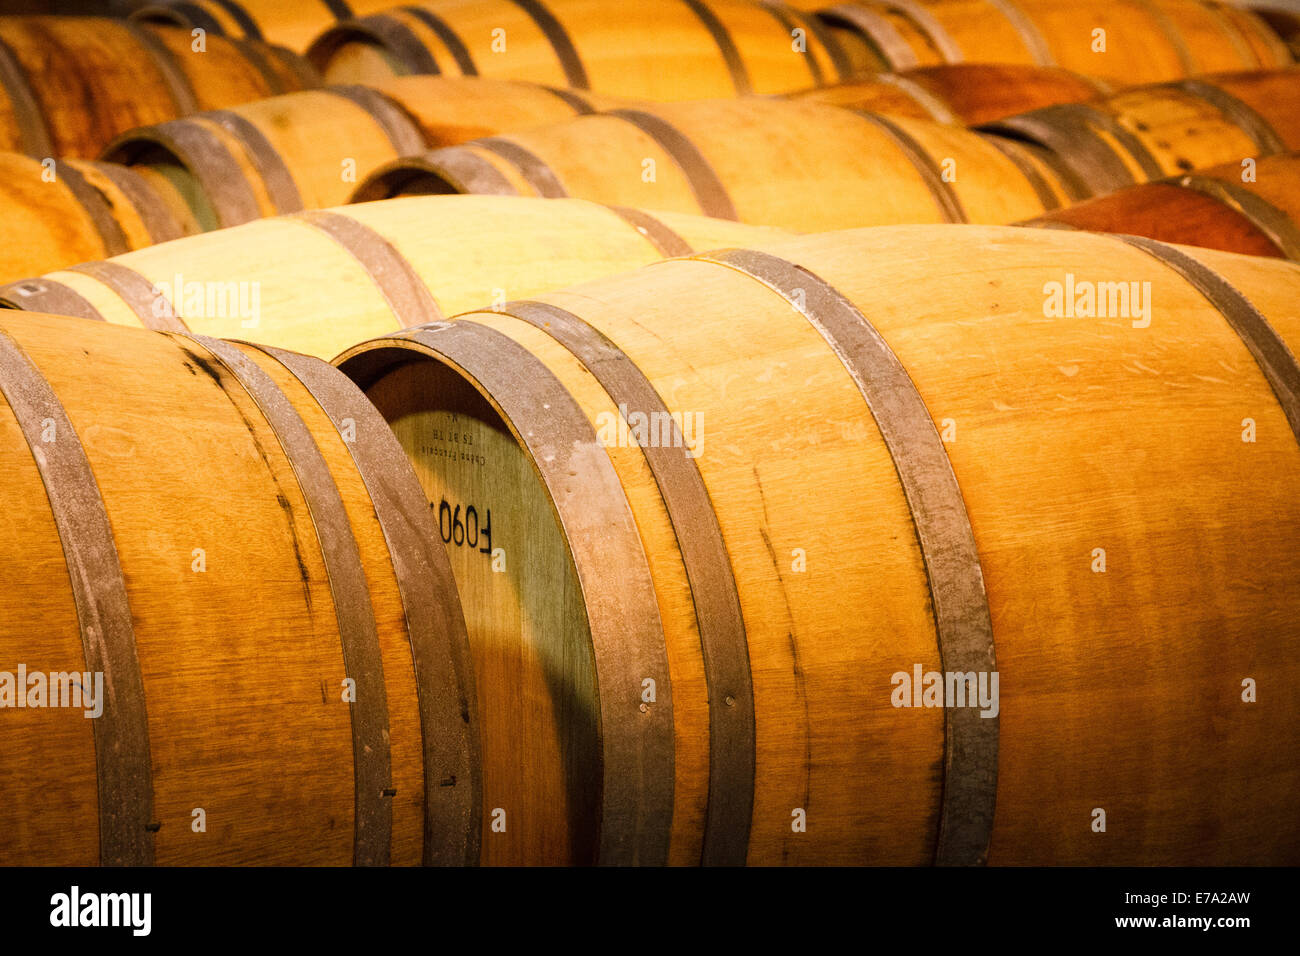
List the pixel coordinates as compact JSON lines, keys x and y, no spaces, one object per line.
{"x":68,"y":85}
{"x":652,"y":50}
{"x":319,"y":281}
{"x":1283,"y":20}
{"x":1269,"y":37}
{"x":308,"y":150}
{"x":1251,"y":208}
{"x":1141,"y":41}
{"x":739,"y":502}
{"x":293,"y":25}
{"x":1157,"y":131}
{"x":305,"y":150}
{"x":797,"y":165}
{"x":223,"y":546}
{"x":56,"y":214}
{"x":965,"y":93}
{"x":455,"y":109}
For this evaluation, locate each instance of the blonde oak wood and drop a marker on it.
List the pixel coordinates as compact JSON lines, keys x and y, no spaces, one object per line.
{"x":315,"y":296}
{"x":1061,"y":444}
{"x":241,"y":659}
{"x":538,"y":692}
{"x":795,"y":165}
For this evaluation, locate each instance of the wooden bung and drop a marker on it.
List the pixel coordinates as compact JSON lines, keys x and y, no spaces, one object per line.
{"x":710,"y":519}
{"x":320,"y":281}
{"x":224,"y":546}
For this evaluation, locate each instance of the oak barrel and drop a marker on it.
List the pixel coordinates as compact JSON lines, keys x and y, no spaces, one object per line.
{"x":1284,"y":19}
{"x":320,"y":281}
{"x":226,"y":563}
{"x":710,"y":519}
{"x":1125,"y":42}
{"x":291,"y":24}
{"x":651,"y":49}
{"x":454,"y":109}
{"x":304,"y":150}
{"x":310,"y":149}
{"x":786,"y":163}
{"x":1156,"y":131}
{"x":1248,"y":207}
{"x":68,"y":85}
{"x":56,"y":214}
{"x":965,"y":93}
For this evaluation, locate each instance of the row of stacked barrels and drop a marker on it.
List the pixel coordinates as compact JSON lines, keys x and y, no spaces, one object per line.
{"x":587,"y":46}
{"x":233,"y":165}
{"x":458,"y":458}
{"x":965,"y":143}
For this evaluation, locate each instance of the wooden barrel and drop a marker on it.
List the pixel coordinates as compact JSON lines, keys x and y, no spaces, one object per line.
{"x":455,"y":109}
{"x":304,"y":150}
{"x":905,"y":35}
{"x":1270,"y":38}
{"x":749,"y":510}
{"x":797,"y":165}
{"x":1253,"y":209}
{"x":1282,"y":19}
{"x":59,"y":214}
{"x":320,"y":281}
{"x":1142,"y":41}
{"x":293,"y":25}
{"x":223,"y":546}
{"x":309,"y":150}
{"x":653,"y":49}
{"x":68,"y":85}
{"x":1156,"y":131}
{"x":965,"y":93}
